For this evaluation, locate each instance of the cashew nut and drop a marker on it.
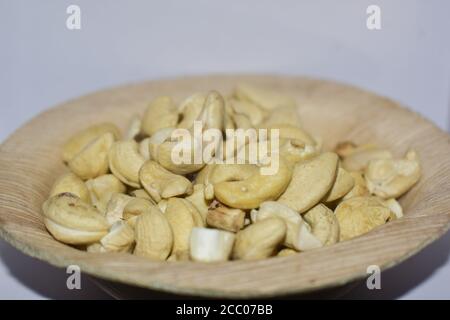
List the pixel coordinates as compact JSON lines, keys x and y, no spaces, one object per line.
{"x":358,"y":158}
{"x":161,"y":113}
{"x":134,"y":208}
{"x":70,"y":183}
{"x":73,"y":221}
{"x":311,"y":181}
{"x":200,"y":200}
{"x":342,"y":185}
{"x":92,"y":160}
{"x":115,"y":207}
{"x":251,"y":111}
{"x":389,"y":178}
{"x":360,"y":187}
{"x":125,"y":161}
{"x":286,"y":252}
{"x":102,"y":188}
{"x":182,"y":217}
{"x":119,"y":239}
{"x":259,"y":240}
{"x":209,"y":245}
{"x":225,"y":218}
{"x":81,"y":139}
{"x":244,"y":187}
{"x":161,"y":183}
{"x":359,"y":215}
{"x":154,"y":238}
{"x":134,"y":128}
{"x":272,"y":209}
{"x":324,"y":225}
{"x":190,"y":109}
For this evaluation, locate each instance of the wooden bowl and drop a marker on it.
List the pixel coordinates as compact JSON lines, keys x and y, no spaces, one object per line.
{"x":30,"y":161}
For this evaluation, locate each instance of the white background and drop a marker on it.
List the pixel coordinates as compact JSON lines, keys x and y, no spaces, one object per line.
{"x":42,"y":63}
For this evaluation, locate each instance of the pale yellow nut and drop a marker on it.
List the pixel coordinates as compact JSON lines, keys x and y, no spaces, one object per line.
{"x":263,"y":97}
{"x":73,"y":221}
{"x":311,"y":181}
{"x":190,"y":109}
{"x":213,"y":111}
{"x":135,"y":207}
{"x":102,"y":188}
{"x":253,"y":112}
{"x":286,"y":252}
{"x":125,"y":161}
{"x":343,"y":184}
{"x":204,"y":175}
{"x":306,"y":240}
{"x":134,"y":128}
{"x":161,"y":183}
{"x":81,"y":139}
{"x":360,"y":157}
{"x":115,"y":207}
{"x":272,"y":209}
{"x":210,"y":245}
{"x":161,"y":113}
{"x":395,"y":207}
{"x":225,"y":218}
{"x":167,"y":152}
{"x":359,"y":215}
{"x":95,"y":248}
{"x":295,"y":150}
{"x":182,"y":217}
{"x":154,"y":238}
{"x":324,"y":224}
{"x":292,"y":133}
{"x":199,"y":200}
{"x":92,"y":160}
{"x":360,"y":187}
{"x":119,"y":239}
{"x":391,"y":178}
{"x":259,"y":240}
{"x":156,"y":140}
{"x":71,"y":183}
{"x":282,"y":116}
{"x":237,"y":189}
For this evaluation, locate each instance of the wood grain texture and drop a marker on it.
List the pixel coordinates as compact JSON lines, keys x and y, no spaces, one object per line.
{"x":30,"y":161}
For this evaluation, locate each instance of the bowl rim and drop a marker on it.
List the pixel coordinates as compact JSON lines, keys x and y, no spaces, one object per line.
{"x":437,"y":227}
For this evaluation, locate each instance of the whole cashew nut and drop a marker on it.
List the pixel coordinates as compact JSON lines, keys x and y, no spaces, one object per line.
{"x":81,"y":139}
{"x":154,"y":237}
{"x":161,"y":183}
{"x":324,"y":224}
{"x":389,"y":178}
{"x":73,"y":221}
{"x":182,"y":217}
{"x":250,"y":191}
{"x":359,"y":215}
{"x":259,"y":240}
{"x":311,"y":181}
{"x":71,"y":183}
{"x":161,"y":113}
{"x":92,"y":160}
{"x":125,"y":161}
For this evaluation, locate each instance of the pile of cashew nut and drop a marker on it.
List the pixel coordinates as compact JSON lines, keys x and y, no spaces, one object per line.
{"x":124,"y":193}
